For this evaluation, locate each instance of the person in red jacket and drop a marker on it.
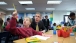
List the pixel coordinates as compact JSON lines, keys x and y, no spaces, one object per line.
{"x":22,"y":32}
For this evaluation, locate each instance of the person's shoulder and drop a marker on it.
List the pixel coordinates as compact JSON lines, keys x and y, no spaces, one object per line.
{"x":44,"y":19}
{"x":33,"y":21}
{"x":30,"y":28}
{"x":48,"y":19}
{"x":40,"y":22}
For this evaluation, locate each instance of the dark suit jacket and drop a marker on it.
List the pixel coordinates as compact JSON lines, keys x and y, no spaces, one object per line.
{"x":46,"y":23}
{"x":40,"y":24}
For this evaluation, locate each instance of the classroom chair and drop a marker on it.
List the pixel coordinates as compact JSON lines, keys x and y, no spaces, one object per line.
{"x":4,"y":36}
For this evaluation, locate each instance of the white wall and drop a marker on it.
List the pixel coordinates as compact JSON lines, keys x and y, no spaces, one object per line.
{"x":43,"y":15}
{"x":58,"y":16}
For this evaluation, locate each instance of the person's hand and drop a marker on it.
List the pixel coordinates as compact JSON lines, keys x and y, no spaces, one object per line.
{"x":15,"y":14}
{"x":43,"y":31}
{"x":73,"y":26}
{"x":46,"y":35}
{"x":43,"y":34}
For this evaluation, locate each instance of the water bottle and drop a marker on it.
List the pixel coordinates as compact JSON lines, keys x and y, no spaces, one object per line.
{"x":54,"y":31}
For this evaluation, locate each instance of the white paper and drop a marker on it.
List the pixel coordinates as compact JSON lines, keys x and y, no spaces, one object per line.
{"x":43,"y":31}
{"x":75,"y":38}
{"x":55,"y":42}
{"x":41,"y":37}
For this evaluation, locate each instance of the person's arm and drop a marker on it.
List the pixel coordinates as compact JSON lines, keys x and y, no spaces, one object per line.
{"x":13,"y":29}
{"x":38,"y":33}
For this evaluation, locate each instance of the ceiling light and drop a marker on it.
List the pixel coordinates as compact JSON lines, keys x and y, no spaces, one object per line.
{"x":50,"y":8}
{"x":25,"y":2}
{"x":10,"y":8}
{"x":30,"y":8}
{"x":71,"y":9}
{"x":3,"y":3}
{"x":54,"y":2}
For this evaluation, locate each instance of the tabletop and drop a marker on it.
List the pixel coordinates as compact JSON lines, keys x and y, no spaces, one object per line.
{"x":54,"y":38}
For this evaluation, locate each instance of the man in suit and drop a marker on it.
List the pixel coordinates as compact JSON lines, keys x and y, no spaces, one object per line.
{"x":46,"y":22}
{"x":37,"y":24}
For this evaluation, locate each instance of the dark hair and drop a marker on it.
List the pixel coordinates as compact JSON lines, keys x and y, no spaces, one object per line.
{"x":46,"y":16}
{"x":1,"y":21}
{"x":72,"y":14}
{"x":8,"y":19}
{"x":54,"y":24}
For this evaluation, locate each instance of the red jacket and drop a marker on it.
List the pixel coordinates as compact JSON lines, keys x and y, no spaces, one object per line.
{"x":21,"y":32}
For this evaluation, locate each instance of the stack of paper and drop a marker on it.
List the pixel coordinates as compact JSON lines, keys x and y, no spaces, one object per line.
{"x":41,"y":37}
{"x":47,"y":35}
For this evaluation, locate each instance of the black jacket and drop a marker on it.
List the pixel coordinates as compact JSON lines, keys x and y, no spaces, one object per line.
{"x":40,"y":24}
{"x":46,"y":23}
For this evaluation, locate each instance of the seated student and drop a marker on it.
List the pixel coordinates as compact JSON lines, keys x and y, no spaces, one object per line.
{"x":7,"y":22}
{"x":22,"y":32}
{"x":54,"y":24}
{"x":71,"y":21}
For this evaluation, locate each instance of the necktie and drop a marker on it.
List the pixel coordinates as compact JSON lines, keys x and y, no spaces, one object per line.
{"x":37,"y":27}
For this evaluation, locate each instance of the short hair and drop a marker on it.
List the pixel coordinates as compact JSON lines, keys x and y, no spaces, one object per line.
{"x":1,"y":21}
{"x":72,"y":14}
{"x":8,"y":19}
{"x":29,"y":19}
{"x":46,"y":16}
{"x":38,"y":13}
{"x":54,"y":24}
